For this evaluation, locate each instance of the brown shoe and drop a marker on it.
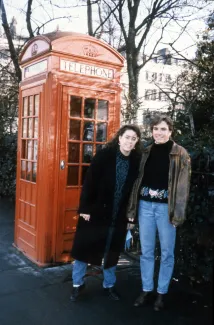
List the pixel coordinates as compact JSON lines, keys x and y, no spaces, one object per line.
{"x":159,"y":303}
{"x":142,"y":299}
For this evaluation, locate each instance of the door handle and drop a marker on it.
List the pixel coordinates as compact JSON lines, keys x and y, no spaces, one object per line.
{"x":62,"y":164}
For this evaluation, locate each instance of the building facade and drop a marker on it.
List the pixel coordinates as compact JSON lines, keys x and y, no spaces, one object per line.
{"x":158,"y":83}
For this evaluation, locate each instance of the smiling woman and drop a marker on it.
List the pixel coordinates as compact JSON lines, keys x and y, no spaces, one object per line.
{"x":101,"y":229}
{"x":127,"y":141}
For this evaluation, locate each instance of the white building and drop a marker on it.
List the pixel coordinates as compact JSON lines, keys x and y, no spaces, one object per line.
{"x":5,"y":57}
{"x":157,"y":82}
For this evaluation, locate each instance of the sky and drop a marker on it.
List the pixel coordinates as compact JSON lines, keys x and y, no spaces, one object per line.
{"x":78,"y":22}
{"x":42,"y":12}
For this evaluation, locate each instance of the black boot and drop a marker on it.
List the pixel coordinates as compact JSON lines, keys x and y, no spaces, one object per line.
{"x":112,"y":293}
{"x":159,"y":302}
{"x":76,"y":292}
{"x":142,"y":299}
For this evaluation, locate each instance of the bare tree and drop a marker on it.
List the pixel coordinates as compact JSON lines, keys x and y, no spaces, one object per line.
{"x":158,"y":15}
{"x":180,"y":97}
{"x":142,"y":24}
{"x":33,"y":24}
{"x":13,"y":51}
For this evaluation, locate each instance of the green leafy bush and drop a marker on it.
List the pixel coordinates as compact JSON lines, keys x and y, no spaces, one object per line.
{"x":8,"y":149}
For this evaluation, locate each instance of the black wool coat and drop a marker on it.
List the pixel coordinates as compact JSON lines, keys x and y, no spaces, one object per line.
{"x":97,"y":199}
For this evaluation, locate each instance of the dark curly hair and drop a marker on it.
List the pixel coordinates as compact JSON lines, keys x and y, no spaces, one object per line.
{"x":115,"y":140}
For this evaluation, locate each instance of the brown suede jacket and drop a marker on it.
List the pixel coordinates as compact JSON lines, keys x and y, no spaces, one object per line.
{"x":178,"y":188}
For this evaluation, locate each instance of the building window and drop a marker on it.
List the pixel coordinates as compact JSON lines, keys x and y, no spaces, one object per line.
{"x":147,"y":75}
{"x":154,"y":76}
{"x":160,"y":77}
{"x":146,"y":94}
{"x":168,"y":59}
{"x":153,"y":94}
{"x":168,"y":78}
{"x":162,"y":96}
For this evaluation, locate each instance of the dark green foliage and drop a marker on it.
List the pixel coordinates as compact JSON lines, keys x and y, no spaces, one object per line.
{"x":195,"y":238}
{"x":8,"y":127}
{"x":8,"y":147}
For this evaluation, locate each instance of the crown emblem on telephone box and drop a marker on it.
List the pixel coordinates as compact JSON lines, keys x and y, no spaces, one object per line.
{"x":34,"y":49}
{"x":90,"y":50}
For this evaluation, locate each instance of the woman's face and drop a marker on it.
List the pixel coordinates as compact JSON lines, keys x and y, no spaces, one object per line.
{"x":128,"y":141}
{"x":161,"y":132}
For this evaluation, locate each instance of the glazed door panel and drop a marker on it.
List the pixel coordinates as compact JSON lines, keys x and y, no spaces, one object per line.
{"x":27,"y":169}
{"x":86,"y":122}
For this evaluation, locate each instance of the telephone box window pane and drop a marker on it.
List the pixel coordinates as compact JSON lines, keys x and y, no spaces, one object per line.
{"x":88,"y":132}
{"x":29,"y":169}
{"x":36,"y":105}
{"x":29,"y":150}
{"x":101,"y":132}
{"x":35,"y":150}
{"x":75,"y":106}
{"x":30,"y":113}
{"x":24,"y":128}
{"x":30,"y":128}
{"x":84,"y":171}
{"x":102,"y":112}
{"x":23,"y":169}
{"x":24,"y":151}
{"x":99,"y":147}
{"x":74,"y":133}
{"x":34,"y":173}
{"x":36,"y":127}
{"x":73,"y":152}
{"x":89,"y":108}
{"x":25,"y":106}
{"x":87,"y":153}
{"x":72,"y":175}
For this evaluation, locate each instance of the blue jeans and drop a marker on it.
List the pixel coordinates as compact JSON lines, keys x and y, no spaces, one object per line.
{"x":79,"y":268}
{"x":152,"y":217}
{"x":79,"y":271}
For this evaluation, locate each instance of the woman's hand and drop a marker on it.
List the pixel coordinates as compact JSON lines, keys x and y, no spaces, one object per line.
{"x":85,"y":216}
{"x":130,"y":225}
{"x":131,"y":219}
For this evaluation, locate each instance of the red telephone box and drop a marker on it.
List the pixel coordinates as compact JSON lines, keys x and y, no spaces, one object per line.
{"x":69,"y":107}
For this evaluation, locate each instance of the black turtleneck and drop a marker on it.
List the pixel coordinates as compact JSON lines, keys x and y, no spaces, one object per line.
{"x":155,"y":180}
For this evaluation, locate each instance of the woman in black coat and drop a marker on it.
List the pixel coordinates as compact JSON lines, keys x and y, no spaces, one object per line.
{"x":101,"y":228}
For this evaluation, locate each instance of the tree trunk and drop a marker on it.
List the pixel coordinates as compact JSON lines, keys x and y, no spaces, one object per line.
{"x":133,"y":75}
{"x":13,"y":52}
{"x":89,"y":16}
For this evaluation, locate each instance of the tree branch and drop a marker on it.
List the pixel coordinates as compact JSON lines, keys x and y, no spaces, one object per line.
{"x":13,"y":53}
{"x":28,"y":18}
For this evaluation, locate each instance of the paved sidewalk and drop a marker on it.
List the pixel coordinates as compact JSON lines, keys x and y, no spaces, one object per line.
{"x":34,"y":296}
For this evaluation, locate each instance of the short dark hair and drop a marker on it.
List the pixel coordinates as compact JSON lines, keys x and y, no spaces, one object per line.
{"x":157,"y":119}
{"x":115,"y":140}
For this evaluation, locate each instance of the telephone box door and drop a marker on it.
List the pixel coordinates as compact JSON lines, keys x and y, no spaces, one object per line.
{"x":86,"y":122}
